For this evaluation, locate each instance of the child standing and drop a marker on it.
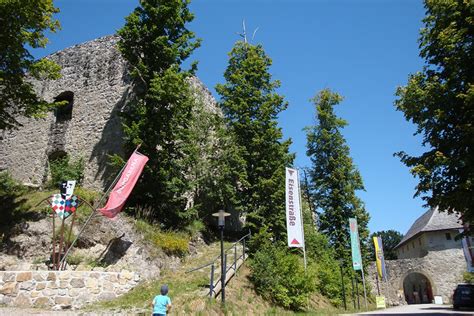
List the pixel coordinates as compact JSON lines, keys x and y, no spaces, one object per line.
{"x":161,"y":303}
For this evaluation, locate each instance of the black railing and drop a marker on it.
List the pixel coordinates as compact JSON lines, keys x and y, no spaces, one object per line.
{"x":213,"y":263}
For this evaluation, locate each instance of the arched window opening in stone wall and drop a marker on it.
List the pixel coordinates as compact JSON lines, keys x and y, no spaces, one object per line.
{"x":64,"y":111}
{"x":57,"y":155}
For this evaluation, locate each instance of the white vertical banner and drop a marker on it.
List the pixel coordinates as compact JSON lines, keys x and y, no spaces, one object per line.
{"x":294,"y":223}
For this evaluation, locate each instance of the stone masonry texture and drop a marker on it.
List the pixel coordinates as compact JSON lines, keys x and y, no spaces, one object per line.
{"x":443,"y":269}
{"x":63,"y":289}
{"x":96,"y":76}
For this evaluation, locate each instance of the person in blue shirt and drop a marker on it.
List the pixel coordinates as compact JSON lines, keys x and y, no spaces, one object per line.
{"x":161,"y":303}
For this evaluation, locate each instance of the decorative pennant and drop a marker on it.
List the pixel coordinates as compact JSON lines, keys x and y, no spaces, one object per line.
{"x":64,"y":207}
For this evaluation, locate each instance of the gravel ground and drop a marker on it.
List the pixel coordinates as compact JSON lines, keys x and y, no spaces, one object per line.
{"x":427,"y":309}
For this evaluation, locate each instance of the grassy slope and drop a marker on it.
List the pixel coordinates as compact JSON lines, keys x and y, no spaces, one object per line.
{"x":186,"y":294}
{"x":186,"y":288}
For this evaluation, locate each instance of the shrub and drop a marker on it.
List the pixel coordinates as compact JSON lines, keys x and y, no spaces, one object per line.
{"x":325,"y":264}
{"x":10,"y":201}
{"x":194,"y":228}
{"x":468,"y":277}
{"x":172,"y":243}
{"x":62,"y":169}
{"x":280,"y":277}
{"x":75,"y":259}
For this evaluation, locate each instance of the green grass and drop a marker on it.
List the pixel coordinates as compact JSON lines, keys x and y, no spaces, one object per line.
{"x":34,"y":201}
{"x":186,"y":292}
{"x":184,"y":287}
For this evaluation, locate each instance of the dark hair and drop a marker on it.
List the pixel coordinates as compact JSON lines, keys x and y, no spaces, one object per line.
{"x":164,"y":289}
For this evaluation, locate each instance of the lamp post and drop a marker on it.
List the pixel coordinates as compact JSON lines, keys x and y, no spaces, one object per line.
{"x":221,"y":215}
{"x":341,"y":263}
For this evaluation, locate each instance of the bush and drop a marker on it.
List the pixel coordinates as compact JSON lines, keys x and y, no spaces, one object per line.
{"x":194,"y":228}
{"x":75,"y":259}
{"x":10,"y":201}
{"x":326,"y":266}
{"x":468,"y":277}
{"x":280,"y":277}
{"x":62,"y":169}
{"x":172,"y":243}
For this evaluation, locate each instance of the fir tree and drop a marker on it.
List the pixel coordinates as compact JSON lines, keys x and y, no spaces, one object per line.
{"x":334,"y":178}
{"x":155,"y":41}
{"x":251,"y":106}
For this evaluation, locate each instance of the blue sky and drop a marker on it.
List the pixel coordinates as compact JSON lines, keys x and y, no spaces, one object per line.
{"x":361,"y":49}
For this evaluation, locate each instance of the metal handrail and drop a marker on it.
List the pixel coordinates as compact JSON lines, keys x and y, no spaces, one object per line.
{"x":216,"y":259}
{"x":224,"y":267}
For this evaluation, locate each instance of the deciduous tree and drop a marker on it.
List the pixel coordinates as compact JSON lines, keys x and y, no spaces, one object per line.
{"x":440,"y":101}
{"x":390,"y":239}
{"x":23,"y":24}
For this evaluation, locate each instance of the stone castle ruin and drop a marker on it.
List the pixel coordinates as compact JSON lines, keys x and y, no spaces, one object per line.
{"x":95,"y":84}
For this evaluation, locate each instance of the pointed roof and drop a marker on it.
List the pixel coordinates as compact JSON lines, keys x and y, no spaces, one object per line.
{"x":432,"y":220}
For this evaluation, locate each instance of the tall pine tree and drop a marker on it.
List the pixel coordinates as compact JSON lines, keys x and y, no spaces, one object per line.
{"x":251,"y":107}
{"x":155,"y":41}
{"x":334,"y":178}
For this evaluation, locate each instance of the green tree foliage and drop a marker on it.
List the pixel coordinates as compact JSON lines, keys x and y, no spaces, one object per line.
{"x":251,"y":106}
{"x":10,"y":199}
{"x":155,"y":41}
{"x":217,"y":174}
{"x":321,"y":256}
{"x":280,"y":277}
{"x":334,"y":178}
{"x":22,"y":27}
{"x":390,"y":239}
{"x":440,"y":101}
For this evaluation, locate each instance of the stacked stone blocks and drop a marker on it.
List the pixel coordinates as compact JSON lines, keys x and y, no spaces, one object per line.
{"x":63,"y":289}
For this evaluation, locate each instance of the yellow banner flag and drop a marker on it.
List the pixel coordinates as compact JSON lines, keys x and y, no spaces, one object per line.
{"x":379,"y":258}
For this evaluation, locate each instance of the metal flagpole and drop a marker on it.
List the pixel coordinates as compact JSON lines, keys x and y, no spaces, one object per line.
{"x":96,"y":206}
{"x":301,"y":216}
{"x":365,"y":292}
{"x":377,"y":281}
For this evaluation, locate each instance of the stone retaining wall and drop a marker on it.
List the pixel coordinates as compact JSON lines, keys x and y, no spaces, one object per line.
{"x":62,"y":289}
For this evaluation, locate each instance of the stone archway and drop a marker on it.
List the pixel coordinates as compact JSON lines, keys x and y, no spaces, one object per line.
{"x":417,"y":288}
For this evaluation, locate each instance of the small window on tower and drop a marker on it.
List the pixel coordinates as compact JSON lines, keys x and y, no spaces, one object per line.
{"x":64,"y":110}
{"x":448,"y":236}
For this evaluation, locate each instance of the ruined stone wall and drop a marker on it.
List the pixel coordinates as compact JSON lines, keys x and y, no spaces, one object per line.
{"x":97,"y":76}
{"x":62,"y":289}
{"x":443,"y":269}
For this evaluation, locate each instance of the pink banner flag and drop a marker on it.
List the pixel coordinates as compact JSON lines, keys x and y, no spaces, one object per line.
{"x":119,"y":194}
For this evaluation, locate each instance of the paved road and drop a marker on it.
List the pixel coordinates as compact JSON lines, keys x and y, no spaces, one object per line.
{"x":427,"y":309}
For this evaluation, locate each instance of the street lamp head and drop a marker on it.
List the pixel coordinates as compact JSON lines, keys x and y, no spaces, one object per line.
{"x":221,"y":215}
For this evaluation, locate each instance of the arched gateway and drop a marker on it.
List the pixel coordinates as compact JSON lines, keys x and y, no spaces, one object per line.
{"x":417,"y":288}
{"x":430,"y":262}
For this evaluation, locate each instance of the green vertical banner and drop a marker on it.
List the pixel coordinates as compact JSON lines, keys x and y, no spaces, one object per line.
{"x":355,"y":245}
